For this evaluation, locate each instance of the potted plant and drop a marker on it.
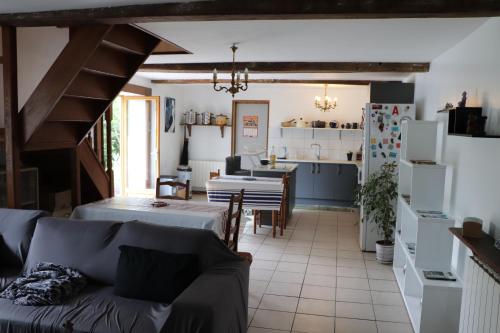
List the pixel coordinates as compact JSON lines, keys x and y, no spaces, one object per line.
{"x":349,"y":155}
{"x":377,"y":196}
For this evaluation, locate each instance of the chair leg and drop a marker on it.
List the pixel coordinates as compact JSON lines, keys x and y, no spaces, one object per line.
{"x":259,"y":213}
{"x":282,"y":222}
{"x":254,"y":221}
{"x":274,"y":218}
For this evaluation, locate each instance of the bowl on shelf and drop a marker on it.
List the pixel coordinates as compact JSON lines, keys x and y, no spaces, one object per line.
{"x":264,"y":162}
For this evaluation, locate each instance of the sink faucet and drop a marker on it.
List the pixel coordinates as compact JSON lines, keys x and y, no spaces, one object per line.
{"x":318,"y":155}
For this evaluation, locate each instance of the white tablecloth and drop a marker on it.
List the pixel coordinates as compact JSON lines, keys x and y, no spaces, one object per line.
{"x":188,"y":214}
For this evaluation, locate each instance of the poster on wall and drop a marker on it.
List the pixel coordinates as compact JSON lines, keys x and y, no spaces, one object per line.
{"x":169,"y":115}
{"x":250,"y":126}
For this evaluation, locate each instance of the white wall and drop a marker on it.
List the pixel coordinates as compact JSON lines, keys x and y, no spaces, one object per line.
{"x":286,"y":102}
{"x":473,"y":65}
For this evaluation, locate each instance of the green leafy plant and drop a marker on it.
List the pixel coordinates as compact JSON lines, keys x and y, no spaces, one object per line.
{"x":377,"y":196}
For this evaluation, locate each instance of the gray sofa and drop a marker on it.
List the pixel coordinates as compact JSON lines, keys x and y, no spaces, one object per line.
{"x":16,"y":229}
{"x":215,"y":302}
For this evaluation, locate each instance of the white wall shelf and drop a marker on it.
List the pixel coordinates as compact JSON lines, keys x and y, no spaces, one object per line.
{"x":433,"y":306}
{"x":313,"y":129}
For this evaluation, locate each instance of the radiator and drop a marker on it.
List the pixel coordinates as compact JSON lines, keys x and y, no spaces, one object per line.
{"x":480,"y":311}
{"x":201,"y":172}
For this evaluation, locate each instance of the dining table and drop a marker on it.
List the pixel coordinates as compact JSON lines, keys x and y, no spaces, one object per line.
{"x":179,"y":213}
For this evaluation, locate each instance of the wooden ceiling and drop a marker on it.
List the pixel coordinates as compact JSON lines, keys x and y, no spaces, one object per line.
{"x":219,"y":10}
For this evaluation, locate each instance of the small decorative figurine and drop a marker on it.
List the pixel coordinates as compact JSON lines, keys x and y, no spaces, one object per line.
{"x":462,"y":102}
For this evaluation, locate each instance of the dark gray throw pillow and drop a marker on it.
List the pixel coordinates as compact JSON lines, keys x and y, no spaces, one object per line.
{"x":154,"y":275}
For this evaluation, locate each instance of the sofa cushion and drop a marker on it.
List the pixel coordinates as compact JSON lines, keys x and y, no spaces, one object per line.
{"x":96,"y":309}
{"x":82,"y":245}
{"x":154,"y":275}
{"x":92,"y":247}
{"x":16,"y":228}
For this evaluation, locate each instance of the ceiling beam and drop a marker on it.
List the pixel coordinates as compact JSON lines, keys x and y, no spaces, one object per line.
{"x":267,"y":81}
{"x":292,"y":67}
{"x":222,"y":10}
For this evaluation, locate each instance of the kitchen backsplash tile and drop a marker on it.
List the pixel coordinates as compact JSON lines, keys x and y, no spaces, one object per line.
{"x":334,"y":143}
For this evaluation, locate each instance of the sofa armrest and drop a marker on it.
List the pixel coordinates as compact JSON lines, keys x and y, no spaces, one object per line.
{"x":216,"y":302}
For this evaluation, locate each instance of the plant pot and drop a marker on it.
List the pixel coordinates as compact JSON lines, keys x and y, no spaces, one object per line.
{"x":385,"y":252}
{"x":349,"y":156}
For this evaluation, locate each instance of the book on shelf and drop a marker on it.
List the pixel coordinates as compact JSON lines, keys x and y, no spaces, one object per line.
{"x":438,"y":275}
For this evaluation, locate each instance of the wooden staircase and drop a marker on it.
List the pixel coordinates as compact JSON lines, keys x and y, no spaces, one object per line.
{"x":90,"y":162}
{"x":81,"y":84}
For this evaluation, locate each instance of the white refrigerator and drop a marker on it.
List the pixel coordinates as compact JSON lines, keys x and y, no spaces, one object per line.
{"x":381,"y":143}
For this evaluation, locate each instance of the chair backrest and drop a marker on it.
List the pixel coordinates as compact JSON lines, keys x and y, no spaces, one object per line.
{"x":182,"y":189}
{"x":233,"y":230}
{"x":233,"y":164}
{"x":284,"y":200}
{"x":214,"y":174}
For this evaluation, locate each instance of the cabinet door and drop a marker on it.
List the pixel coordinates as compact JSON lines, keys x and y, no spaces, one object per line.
{"x":324,"y":181}
{"x":305,"y":181}
{"x":344,"y":181}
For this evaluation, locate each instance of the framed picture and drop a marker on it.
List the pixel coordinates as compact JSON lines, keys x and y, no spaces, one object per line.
{"x":250,"y":126}
{"x":169,"y":115}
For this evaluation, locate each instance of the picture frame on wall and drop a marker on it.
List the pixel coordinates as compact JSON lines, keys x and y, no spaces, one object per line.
{"x":169,"y":115}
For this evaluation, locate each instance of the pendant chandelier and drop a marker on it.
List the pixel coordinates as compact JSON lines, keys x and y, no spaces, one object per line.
{"x":326,"y":104}
{"x":236,"y":84}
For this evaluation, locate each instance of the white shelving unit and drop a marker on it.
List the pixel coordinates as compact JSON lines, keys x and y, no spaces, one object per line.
{"x":433,"y":306}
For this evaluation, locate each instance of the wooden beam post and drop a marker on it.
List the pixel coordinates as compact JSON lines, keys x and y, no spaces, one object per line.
{"x":109,"y":150}
{"x":76,"y":188}
{"x":11,"y":118}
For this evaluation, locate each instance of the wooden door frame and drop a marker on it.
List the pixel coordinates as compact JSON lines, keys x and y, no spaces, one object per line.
{"x":124,"y":130}
{"x":233,"y":119}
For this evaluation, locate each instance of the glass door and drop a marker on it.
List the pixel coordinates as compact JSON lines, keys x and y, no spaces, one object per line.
{"x":140,"y":145}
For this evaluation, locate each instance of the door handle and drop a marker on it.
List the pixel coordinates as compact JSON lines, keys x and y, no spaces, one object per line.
{"x":319,"y":168}
{"x":313,"y":168}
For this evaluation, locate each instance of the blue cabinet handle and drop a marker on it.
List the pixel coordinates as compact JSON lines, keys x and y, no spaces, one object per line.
{"x":319,"y":167}
{"x":313,"y":168}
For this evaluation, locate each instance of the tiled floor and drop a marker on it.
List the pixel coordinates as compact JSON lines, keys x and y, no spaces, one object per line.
{"x":315,"y":279}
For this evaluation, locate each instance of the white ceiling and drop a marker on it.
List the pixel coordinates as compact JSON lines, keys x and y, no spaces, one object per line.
{"x":18,"y":6}
{"x":395,"y":40}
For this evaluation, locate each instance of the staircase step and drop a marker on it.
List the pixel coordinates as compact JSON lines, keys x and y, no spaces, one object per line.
{"x":74,"y":109}
{"x":54,"y":135}
{"x":130,"y":39}
{"x":92,"y":86}
{"x":109,"y":61}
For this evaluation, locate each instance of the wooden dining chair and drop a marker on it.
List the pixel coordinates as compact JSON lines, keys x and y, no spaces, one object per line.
{"x":182,"y":192}
{"x":279,"y":217}
{"x":214,"y":174}
{"x":232,"y":230}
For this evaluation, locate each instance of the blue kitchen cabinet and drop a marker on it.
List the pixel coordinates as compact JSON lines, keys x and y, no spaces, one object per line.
{"x":305,"y":180}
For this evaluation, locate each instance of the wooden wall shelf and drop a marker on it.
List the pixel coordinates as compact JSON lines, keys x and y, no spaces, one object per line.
{"x":482,"y":248}
{"x":222,"y":128}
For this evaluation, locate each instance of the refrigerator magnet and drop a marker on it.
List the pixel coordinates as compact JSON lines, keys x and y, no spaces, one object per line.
{"x":374,"y":154}
{"x":381,"y":127}
{"x":383,"y":155}
{"x":391,"y":146}
{"x":395,"y":111}
{"x":373,"y":141}
{"x":385,"y":141}
{"x":374,"y":147}
{"x":393,"y":154}
{"x":380,"y":145}
{"x":398,"y":145}
{"x":395,"y":128}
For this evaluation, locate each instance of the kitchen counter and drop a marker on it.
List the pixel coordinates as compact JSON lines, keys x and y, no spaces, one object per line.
{"x":327,"y":161}
{"x":280,"y":167}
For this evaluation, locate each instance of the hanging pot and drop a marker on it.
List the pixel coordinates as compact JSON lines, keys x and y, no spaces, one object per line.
{"x":385,"y":252}
{"x":205,"y":118}
{"x":190,"y":117}
{"x":221,"y":120}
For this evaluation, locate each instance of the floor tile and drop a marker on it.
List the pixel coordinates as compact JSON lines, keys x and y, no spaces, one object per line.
{"x":313,"y":324}
{"x":279,"y":303}
{"x":322,"y":261}
{"x":350,"y":254}
{"x":251,"y":312}
{"x":273,"y":319}
{"x":387,"y":327}
{"x":264,"y":264}
{"x":347,"y":325}
{"x":316,"y":307}
{"x":387,"y":298}
{"x":318,"y":292}
{"x":252,"y":329}
{"x":320,"y":280}
{"x":297,"y":250}
{"x":358,"y":263}
{"x":352,"y":272}
{"x":321,"y":269}
{"x":353,"y":295}
{"x":396,"y":314}
{"x":383,"y":285}
{"x":352,"y":283}
{"x":323,"y":253}
{"x":354,"y":310}
{"x":324,"y":245}
{"x":261,"y":274}
{"x":267,"y":255}
{"x":284,"y":289}
{"x":380,"y":274}
{"x":288,"y":277}
{"x":284,"y":266}
{"x":300,"y":258}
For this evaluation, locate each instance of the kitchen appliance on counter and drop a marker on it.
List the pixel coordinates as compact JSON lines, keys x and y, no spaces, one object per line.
{"x":381,"y":143}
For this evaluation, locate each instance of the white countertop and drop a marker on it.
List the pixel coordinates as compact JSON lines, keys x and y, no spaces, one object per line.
{"x":328,"y":161}
{"x":280,"y":167}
